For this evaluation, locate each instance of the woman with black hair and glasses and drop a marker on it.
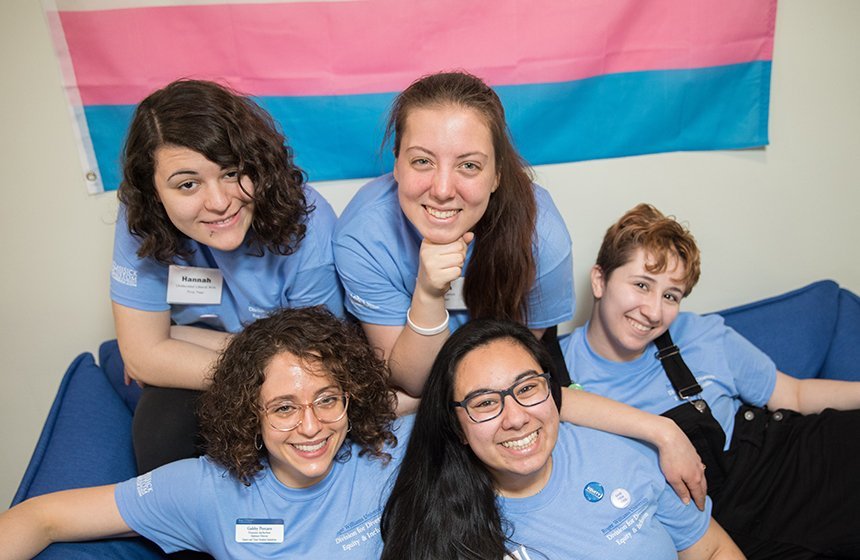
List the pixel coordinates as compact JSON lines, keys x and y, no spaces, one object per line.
{"x":489,"y":471}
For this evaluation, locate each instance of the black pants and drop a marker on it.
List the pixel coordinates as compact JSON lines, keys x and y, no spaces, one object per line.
{"x":165,"y":427}
{"x":793,"y":486}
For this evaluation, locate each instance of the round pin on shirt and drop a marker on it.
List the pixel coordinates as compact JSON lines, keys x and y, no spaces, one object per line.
{"x":593,"y":492}
{"x":620,"y":498}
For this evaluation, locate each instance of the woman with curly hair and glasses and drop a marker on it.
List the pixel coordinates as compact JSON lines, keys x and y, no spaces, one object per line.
{"x":299,"y":436}
{"x":216,"y":228}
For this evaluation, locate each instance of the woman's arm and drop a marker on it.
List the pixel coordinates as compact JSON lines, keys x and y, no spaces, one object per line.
{"x":410,"y":354}
{"x":207,"y":338}
{"x":715,"y":544}
{"x":71,"y":515}
{"x":153,"y":356}
{"x":679,"y":460}
{"x":810,"y":396}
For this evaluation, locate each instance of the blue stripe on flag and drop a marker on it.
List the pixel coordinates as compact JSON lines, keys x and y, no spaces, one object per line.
{"x":337,"y":137}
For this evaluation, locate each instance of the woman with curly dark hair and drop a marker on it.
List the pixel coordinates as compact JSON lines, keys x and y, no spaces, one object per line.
{"x":299,"y":426}
{"x":216,"y":228}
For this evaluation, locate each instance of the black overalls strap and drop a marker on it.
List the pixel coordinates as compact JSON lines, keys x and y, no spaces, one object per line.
{"x":694,"y":416}
{"x":679,"y":374}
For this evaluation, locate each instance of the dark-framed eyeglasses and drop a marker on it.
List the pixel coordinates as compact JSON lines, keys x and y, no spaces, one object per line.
{"x":286,"y":416}
{"x":484,"y":405}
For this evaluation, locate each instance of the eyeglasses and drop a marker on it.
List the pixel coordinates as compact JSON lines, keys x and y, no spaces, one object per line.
{"x":286,"y":416}
{"x":485,"y":405}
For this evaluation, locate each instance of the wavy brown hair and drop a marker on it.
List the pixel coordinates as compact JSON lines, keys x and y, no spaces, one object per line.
{"x":502,"y":269}
{"x":230,"y":411}
{"x":645,"y":227}
{"x":230,"y":130}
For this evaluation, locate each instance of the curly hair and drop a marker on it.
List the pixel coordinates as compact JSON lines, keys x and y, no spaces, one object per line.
{"x":230,"y":130}
{"x":660,"y":236}
{"x":230,"y":413}
{"x":502,"y":268}
{"x":443,"y":503}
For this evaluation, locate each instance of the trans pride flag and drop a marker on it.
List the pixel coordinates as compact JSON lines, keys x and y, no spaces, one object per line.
{"x":580,"y":79}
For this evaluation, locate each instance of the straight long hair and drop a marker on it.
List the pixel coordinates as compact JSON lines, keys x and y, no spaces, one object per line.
{"x":502,"y":268}
{"x":443,"y":503}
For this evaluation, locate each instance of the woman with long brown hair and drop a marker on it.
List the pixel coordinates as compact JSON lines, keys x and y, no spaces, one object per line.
{"x":460,"y":231}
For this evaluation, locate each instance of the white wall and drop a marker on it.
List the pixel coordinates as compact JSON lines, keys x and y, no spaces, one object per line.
{"x":767,"y":220}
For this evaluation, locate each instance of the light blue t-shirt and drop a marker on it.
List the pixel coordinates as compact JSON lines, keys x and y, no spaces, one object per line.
{"x":253,"y":287}
{"x":605,"y":498}
{"x":376,"y":251}
{"x":730,"y":369}
{"x":195,"y":504}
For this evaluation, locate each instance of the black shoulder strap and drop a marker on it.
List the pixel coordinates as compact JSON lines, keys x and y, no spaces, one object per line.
{"x":676,"y":370}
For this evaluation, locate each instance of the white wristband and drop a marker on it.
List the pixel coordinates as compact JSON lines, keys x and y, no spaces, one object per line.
{"x":432,"y":330}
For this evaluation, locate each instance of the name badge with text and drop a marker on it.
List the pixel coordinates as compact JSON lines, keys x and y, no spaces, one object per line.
{"x":259,"y":530}
{"x":190,"y":285}
{"x":454,"y":296}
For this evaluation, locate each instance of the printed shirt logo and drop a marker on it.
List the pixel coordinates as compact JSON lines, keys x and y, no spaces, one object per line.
{"x":358,"y":300}
{"x":124,"y":275}
{"x":360,"y":532}
{"x":144,"y":484}
{"x":593,"y":492}
{"x":629,"y":523}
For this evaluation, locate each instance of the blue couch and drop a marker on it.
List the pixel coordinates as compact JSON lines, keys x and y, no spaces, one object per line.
{"x":810,"y":332}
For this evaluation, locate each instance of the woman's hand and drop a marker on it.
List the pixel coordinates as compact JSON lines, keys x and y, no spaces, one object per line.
{"x":682,"y":466}
{"x":439,"y":265}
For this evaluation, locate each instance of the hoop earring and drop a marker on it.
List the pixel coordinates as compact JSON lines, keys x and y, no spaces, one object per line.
{"x":258,"y":442}
{"x":348,"y":425}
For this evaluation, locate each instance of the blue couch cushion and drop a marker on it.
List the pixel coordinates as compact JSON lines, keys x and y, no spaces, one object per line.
{"x":111,"y":362}
{"x":86,"y":441}
{"x":843,"y":359}
{"x":795,"y":329}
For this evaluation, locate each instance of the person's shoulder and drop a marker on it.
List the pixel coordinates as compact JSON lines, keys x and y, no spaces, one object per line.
{"x":603,"y":445}
{"x":549,"y":218}
{"x":689,"y":327}
{"x":380,"y":192}
{"x":375,"y":203}
{"x":322,"y":213}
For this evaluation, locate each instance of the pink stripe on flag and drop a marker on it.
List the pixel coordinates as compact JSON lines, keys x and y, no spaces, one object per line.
{"x":371,"y":46}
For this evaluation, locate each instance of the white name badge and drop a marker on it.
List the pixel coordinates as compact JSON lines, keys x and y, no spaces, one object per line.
{"x":259,"y":530}
{"x":454,"y":296}
{"x":189,"y":285}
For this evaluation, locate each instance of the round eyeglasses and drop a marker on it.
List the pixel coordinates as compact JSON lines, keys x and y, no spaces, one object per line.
{"x":484,"y":405}
{"x":286,"y":416}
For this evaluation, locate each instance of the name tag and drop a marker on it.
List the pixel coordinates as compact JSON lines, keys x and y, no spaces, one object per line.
{"x":454,"y":296}
{"x":259,"y":530}
{"x":189,"y":285}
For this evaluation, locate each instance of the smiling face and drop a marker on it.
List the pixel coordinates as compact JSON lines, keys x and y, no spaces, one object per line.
{"x":445,"y":171}
{"x":303,"y":456}
{"x":633,"y":306}
{"x":203,"y":201}
{"x":517,"y":445}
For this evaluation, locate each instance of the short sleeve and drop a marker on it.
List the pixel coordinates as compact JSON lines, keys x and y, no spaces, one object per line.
{"x":135,"y":282}
{"x":684,"y":523}
{"x":551,"y":299}
{"x":754,"y":371}
{"x":165,"y":505}
{"x":376,"y":253}
{"x":316,"y":282}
